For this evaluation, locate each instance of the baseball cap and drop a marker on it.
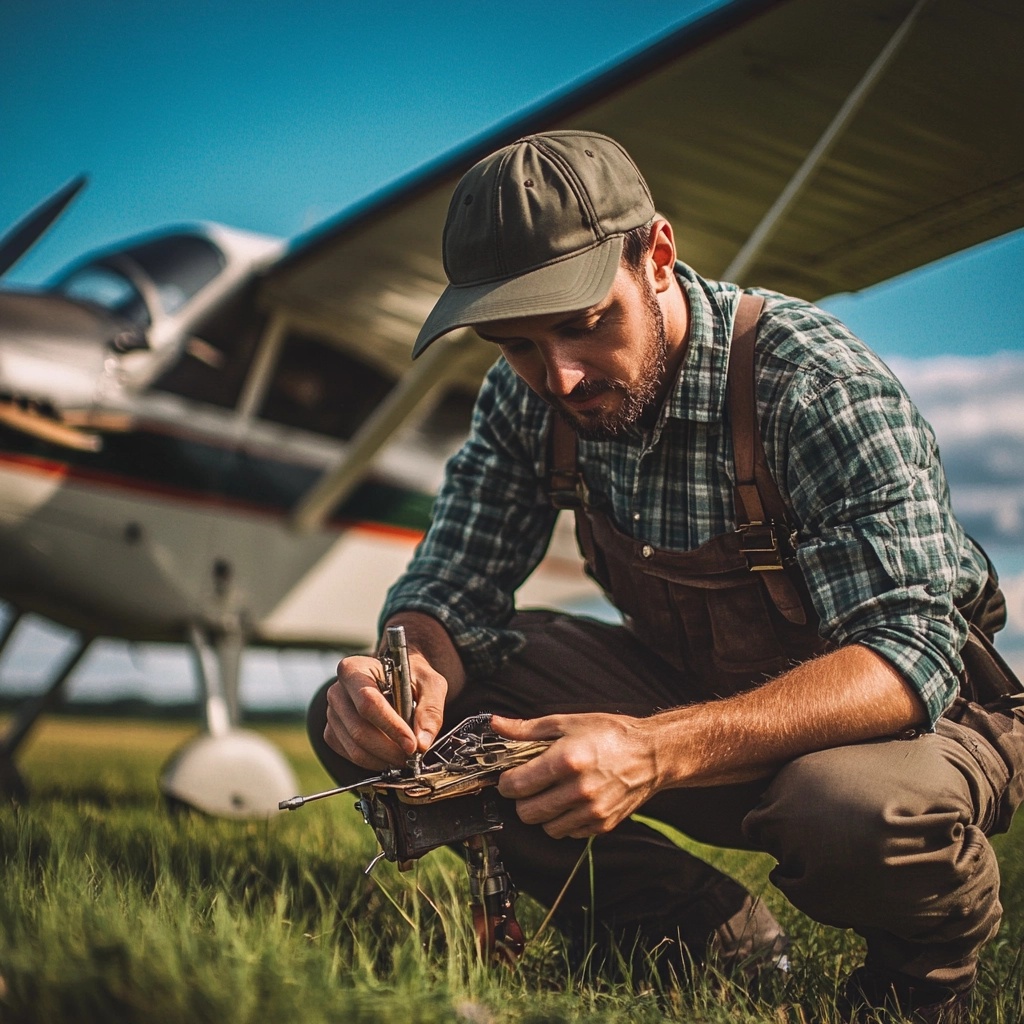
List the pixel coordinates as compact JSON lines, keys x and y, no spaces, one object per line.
{"x":536,"y":228}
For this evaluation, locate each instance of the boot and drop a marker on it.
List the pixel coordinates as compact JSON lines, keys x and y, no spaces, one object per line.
{"x":869,"y":992}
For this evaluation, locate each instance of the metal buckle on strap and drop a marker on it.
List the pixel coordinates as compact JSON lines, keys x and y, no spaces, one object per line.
{"x":759,"y":543}
{"x":567,"y":489}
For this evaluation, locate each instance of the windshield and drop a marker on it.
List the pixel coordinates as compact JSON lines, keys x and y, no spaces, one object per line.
{"x":106,"y":287}
{"x":177,"y":265}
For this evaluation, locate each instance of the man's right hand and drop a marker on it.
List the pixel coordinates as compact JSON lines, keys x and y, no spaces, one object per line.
{"x":364,"y":727}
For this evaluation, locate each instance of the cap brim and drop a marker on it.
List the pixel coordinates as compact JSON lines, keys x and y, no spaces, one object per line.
{"x":576,"y":282}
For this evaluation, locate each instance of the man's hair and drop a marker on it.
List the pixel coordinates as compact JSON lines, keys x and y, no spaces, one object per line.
{"x":634,"y":246}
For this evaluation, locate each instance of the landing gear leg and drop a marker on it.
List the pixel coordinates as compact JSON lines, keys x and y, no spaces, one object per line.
{"x":227,"y":771}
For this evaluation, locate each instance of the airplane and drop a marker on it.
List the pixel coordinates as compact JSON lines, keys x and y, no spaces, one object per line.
{"x":216,"y":437}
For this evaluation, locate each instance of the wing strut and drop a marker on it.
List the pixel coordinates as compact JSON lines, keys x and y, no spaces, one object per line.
{"x":404,"y":401}
{"x":770,"y":221}
{"x":258,"y":380}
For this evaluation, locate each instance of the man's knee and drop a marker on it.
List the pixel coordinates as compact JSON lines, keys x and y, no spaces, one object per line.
{"x":316,"y":715}
{"x":859,"y":831}
{"x":815,"y":813}
{"x":863,"y":803}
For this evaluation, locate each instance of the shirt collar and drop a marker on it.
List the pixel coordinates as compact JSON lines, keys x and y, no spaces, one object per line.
{"x":698,"y":393}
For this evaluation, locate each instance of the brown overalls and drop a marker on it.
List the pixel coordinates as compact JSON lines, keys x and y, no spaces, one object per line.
{"x":703,"y":624}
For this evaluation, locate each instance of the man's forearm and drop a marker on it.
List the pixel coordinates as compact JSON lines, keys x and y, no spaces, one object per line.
{"x":848,"y":696}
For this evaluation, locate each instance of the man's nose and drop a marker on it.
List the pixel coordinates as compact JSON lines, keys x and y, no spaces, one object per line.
{"x":562,"y":375}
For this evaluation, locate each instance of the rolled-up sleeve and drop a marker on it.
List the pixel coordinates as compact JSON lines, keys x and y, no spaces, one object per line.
{"x":879,"y":546}
{"x":491,"y":525}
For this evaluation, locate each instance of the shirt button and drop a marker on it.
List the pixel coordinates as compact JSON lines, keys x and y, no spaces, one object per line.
{"x":636,"y":517}
{"x":647,"y":551}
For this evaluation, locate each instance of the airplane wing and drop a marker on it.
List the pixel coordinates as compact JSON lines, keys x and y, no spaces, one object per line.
{"x":923,"y":158}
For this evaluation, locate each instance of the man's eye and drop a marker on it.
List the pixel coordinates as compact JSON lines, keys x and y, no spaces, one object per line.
{"x":515,"y":348}
{"x":582,"y":329}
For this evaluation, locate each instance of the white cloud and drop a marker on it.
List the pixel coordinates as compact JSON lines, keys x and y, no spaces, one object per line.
{"x":976,"y":406}
{"x":965,"y":397}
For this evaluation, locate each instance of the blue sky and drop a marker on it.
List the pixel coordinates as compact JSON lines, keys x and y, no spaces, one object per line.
{"x":273,"y":116}
{"x":270,"y":115}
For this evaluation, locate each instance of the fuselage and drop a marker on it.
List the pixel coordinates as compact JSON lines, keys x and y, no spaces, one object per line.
{"x":155,"y":438}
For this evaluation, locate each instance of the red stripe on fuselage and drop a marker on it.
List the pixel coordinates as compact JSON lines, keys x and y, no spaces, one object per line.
{"x":130,"y":485}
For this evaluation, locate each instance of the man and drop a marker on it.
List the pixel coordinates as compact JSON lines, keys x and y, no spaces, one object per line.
{"x":806,"y":708}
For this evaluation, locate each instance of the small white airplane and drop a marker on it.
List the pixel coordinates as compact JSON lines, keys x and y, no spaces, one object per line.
{"x":165,"y":449}
{"x":213,"y":436}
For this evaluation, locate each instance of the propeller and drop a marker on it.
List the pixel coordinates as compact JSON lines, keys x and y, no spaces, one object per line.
{"x":27,"y":231}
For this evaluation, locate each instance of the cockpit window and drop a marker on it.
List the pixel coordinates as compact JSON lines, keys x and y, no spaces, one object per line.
{"x":106,"y":287}
{"x":321,"y":388}
{"x":178,"y":265}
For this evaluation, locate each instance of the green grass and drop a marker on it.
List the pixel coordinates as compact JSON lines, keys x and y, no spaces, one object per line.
{"x":113,"y":909}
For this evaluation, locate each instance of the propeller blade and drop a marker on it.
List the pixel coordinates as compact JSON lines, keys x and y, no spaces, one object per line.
{"x":26,"y":232}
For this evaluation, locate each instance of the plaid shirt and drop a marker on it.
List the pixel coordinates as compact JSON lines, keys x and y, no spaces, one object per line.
{"x":882,"y":554}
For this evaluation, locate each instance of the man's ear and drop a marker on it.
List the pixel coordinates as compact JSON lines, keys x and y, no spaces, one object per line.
{"x":661,"y":254}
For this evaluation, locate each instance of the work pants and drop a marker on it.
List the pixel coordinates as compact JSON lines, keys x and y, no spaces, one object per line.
{"x":888,"y":837}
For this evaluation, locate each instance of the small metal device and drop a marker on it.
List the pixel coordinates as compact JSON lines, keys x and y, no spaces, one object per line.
{"x":445,"y":796}
{"x":398,"y":682}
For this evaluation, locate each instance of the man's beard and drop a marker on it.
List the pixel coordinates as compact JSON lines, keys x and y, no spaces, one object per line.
{"x":638,"y":396}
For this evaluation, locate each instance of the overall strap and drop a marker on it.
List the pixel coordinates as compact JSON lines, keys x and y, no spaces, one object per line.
{"x":567,"y":488}
{"x":762,"y":521}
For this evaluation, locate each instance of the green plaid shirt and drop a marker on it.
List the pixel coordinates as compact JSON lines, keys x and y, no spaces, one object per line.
{"x":882,"y":554}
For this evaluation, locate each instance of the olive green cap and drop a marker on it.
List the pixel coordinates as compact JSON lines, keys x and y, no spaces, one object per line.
{"x":537,"y":228}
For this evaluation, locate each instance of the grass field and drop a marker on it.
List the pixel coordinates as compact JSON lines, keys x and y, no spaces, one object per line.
{"x":112,"y":909}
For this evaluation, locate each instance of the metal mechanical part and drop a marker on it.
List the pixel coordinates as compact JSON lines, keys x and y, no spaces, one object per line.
{"x":445,"y":796}
{"x":407,"y":831}
{"x":398,"y":682}
{"x":451,"y":797}
{"x":469,"y":757}
{"x":465,"y":760}
{"x":452,"y":800}
{"x":499,"y":935}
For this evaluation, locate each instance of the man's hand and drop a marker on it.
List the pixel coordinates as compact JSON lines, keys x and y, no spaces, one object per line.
{"x":363,"y":726}
{"x":598,"y":771}
{"x":361,"y":723}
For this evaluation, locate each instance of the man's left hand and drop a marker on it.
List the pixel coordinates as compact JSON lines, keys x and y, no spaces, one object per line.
{"x":599,"y":770}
